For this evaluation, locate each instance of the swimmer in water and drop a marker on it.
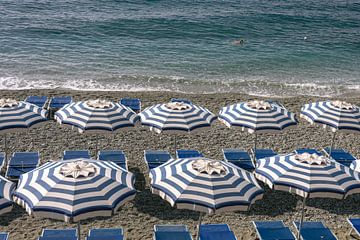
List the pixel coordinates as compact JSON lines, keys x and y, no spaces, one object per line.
{"x":238,"y":42}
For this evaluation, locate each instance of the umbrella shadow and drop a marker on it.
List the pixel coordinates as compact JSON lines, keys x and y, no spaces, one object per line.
{"x":347,"y":206}
{"x":15,"y":213}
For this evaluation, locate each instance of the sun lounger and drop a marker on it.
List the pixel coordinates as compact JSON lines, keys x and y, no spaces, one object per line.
{"x":106,"y":233}
{"x":2,"y":160}
{"x":4,"y":236}
{"x":59,"y":238}
{"x":263,"y":153}
{"x":132,"y":103}
{"x":355,"y":225}
{"x":307,"y":150}
{"x":22,"y":162}
{"x":239,"y":158}
{"x":116,"y":156}
{"x":183,"y":100}
{"x":155,"y":158}
{"x":58,"y":102}
{"x":59,"y":233}
{"x":216,"y":232}
{"x":314,"y":230}
{"x":272,"y":230}
{"x":39,"y":101}
{"x":188,"y":153}
{"x":340,"y":155}
{"x":73,"y":154}
{"x":171,"y":232}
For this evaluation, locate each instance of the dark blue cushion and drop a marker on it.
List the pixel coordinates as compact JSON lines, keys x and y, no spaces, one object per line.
{"x":172,"y":236}
{"x":222,"y":235}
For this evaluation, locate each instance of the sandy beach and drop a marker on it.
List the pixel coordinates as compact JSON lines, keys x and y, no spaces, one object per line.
{"x":139,"y":216}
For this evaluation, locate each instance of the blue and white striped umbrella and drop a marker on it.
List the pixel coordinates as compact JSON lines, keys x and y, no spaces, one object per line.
{"x":338,"y":115}
{"x":75,"y":190}
{"x":309,"y":176}
{"x":97,"y":116}
{"x":6,"y":189}
{"x":205,"y":185}
{"x":19,"y":116}
{"x":355,"y":165}
{"x":257,"y":116}
{"x":176,"y":117}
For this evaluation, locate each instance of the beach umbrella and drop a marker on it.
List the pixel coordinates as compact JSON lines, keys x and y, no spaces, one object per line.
{"x":18,"y":116}
{"x":355,"y":165}
{"x":6,"y":189}
{"x":257,"y":117}
{"x":205,"y":185}
{"x":309,"y":176}
{"x":176,"y":117}
{"x":337,"y":115}
{"x":96,"y":116}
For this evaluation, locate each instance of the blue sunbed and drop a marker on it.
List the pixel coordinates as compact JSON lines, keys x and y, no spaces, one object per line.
{"x":116,"y":156}
{"x":132,"y":103}
{"x":21,"y":159}
{"x":156,"y":158}
{"x":340,"y":155}
{"x":59,"y":238}
{"x":216,"y":232}
{"x":183,"y":100}
{"x":188,"y":153}
{"x":106,"y":233}
{"x":2,"y":160}
{"x":73,"y":154}
{"x":171,"y":232}
{"x":263,"y":153}
{"x":14,"y":173}
{"x":4,"y":236}
{"x":59,"y":102}
{"x":239,"y":158}
{"x":314,"y":230}
{"x":307,"y":150}
{"x":272,"y":230}
{"x":60,"y":233}
{"x":39,"y":101}
{"x":355,"y":224}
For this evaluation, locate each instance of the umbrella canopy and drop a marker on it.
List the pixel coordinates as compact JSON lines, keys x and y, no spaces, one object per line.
{"x":205,"y":185}
{"x":338,"y":115}
{"x":6,"y":189}
{"x":19,"y":116}
{"x":308,"y":175}
{"x":75,"y":190}
{"x":97,"y":116}
{"x":257,"y":116}
{"x":177,"y":117}
{"x":355,"y":165}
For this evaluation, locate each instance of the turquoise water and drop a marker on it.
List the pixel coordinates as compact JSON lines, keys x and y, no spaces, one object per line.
{"x":291,"y":47}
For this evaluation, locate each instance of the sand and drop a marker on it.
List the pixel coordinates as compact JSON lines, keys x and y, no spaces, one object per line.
{"x":139,"y":216}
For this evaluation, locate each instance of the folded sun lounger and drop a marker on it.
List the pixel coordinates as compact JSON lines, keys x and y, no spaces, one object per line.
{"x":39,"y":101}
{"x":183,"y":100}
{"x":4,"y":236}
{"x":73,"y":154}
{"x":355,"y":224}
{"x":216,"y":232}
{"x":132,"y":103}
{"x":116,"y":156}
{"x":106,"y":233}
{"x":263,"y":153}
{"x":272,"y":230}
{"x":314,"y":230}
{"x":307,"y":150}
{"x":188,"y":153}
{"x":239,"y":158}
{"x":155,"y":158}
{"x":340,"y":156}
{"x":171,"y":232}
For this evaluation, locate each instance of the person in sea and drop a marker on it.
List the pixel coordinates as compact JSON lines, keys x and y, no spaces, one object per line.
{"x":238,"y":41}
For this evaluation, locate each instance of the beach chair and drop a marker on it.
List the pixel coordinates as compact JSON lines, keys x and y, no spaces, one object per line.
{"x":4,"y":236}
{"x":263,"y":153}
{"x":73,"y":154}
{"x":171,"y":232}
{"x":355,"y":225}
{"x":58,"y":102}
{"x":39,"y":101}
{"x":116,"y":156}
{"x":239,"y":158}
{"x":308,"y":150}
{"x":314,"y":230}
{"x":272,"y":230}
{"x":132,"y":103}
{"x":155,"y":158}
{"x":2,"y":160}
{"x":340,"y":156}
{"x":181,"y":153}
{"x":216,"y":232}
{"x":106,"y":233}
{"x":52,"y":234}
{"x":183,"y":100}
{"x":22,"y":162}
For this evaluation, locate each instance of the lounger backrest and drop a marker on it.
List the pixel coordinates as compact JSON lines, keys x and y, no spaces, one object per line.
{"x":4,"y":236}
{"x":103,"y":232}
{"x":132,"y":103}
{"x":71,"y":232}
{"x":72,"y":154}
{"x":25,"y":159}
{"x":188,"y":153}
{"x":273,"y":230}
{"x":59,"y":102}
{"x":39,"y":101}
{"x":172,"y":235}
{"x":156,"y":156}
{"x":112,"y":155}
{"x":171,"y":228}
{"x":355,"y":223}
{"x":183,"y":100}
{"x":214,"y":227}
{"x":309,"y":225}
{"x":236,"y":155}
{"x":264,"y":153}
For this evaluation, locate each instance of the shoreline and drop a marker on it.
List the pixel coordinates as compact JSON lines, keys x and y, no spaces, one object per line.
{"x":139,"y":216}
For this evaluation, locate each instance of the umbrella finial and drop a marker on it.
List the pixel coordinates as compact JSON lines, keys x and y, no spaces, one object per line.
{"x":99,"y":103}
{"x":8,"y":103}
{"x":76,"y":169}
{"x":180,"y":106}
{"x":342,"y":105}
{"x":209,"y":166}
{"x":259,"y":105}
{"x":312,"y":159}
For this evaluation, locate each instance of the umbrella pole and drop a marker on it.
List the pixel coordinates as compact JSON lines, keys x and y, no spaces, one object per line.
{"x":332,"y":142}
{"x":175,"y":145}
{"x":5,"y":148}
{"x":302,"y":217}
{"x":255,"y":143}
{"x":97,"y":145}
{"x":78,"y":229}
{"x":198,"y":228}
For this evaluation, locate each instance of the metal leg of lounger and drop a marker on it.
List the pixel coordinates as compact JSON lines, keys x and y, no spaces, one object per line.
{"x":302,"y":217}
{"x":332,"y":143}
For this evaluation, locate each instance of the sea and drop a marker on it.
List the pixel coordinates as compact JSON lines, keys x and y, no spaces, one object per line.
{"x":259,"y":47}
